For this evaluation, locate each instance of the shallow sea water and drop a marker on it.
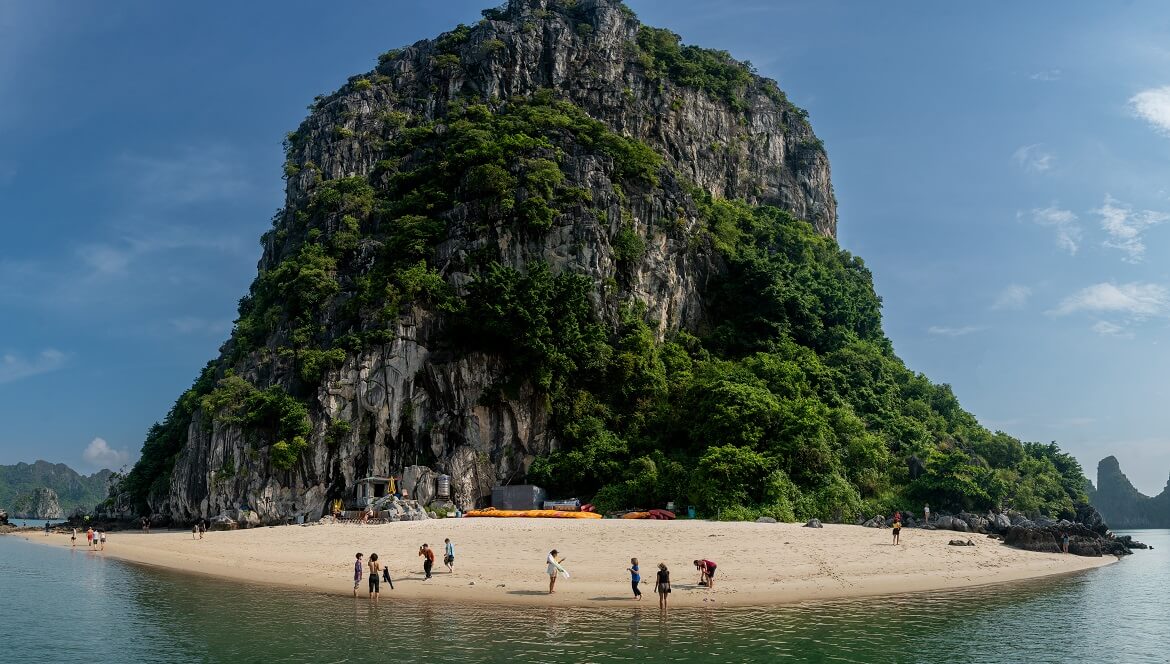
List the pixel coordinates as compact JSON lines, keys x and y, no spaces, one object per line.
{"x":64,"y":606}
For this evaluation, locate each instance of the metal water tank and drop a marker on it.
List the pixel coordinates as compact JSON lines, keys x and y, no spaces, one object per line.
{"x":443,"y":486}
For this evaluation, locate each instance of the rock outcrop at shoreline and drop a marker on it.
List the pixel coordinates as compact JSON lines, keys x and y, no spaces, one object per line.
{"x":1088,"y":535}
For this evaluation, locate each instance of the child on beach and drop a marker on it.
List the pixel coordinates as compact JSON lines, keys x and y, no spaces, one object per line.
{"x":449,"y":555}
{"x":635,"y":577}
{"x":553,"y":568}
{"x":428,"y":559}
{"x":662,"y":585}
{"x":357,"y":573}
{"x":897,"y":530}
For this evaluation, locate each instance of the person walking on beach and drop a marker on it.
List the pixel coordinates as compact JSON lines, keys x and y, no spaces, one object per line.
{"x":357,"y":573}
{"x":103,"y":537}
{"x":897,"y":529}
{"x":428,"y":560}
{"x":635,"y":578}
{"x":195,"y":531}
{"x":553,"y":568}
{"x":449,"y":555}
{"x":97,"y":536}
{"x":926,"y":515}
{"x":73,"y":538}
{"x":1064,"y":543}
{"x":706,"y":573}
{"x":662,"y":585}
{"x":375,"y":567}
{"x":46,"y":529}
{"x":202,"y":528}
{"x":89,"y":537}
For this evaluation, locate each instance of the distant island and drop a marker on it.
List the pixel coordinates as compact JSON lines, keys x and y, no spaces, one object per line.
{"x":1122,"y":505}
{"x":44,"y":490}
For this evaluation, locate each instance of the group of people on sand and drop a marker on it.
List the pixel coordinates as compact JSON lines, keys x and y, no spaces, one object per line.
{"x":95,"y":539}
{"x":554,"y":568}
{"x":198,"y":528}
{"x":377,"y":572}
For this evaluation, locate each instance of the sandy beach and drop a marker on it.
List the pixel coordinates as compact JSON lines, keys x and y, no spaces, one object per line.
{"x":503,"y":560}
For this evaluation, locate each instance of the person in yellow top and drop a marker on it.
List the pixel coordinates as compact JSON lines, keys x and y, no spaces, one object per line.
{"x":897,"y":531}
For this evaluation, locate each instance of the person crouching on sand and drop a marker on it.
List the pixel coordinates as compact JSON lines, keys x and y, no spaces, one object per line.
{"x":662,"y":585}
{"x":428,"y":559}
{"x":635,"y":577}
{"x":553,"y":568}
{"x":357,"y":573}
{"x":706,"y":573}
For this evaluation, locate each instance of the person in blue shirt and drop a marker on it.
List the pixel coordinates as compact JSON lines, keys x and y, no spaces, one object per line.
{"x":635,"y":577}
{"x":449,"y":555}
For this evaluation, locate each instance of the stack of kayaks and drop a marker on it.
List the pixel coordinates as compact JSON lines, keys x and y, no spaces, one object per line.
{"x":661,"y":515}
{"x":536,"y":514}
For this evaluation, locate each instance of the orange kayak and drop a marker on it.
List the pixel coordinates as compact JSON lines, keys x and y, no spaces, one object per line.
{"x":534,"y":514}
{"x":636,"y":515}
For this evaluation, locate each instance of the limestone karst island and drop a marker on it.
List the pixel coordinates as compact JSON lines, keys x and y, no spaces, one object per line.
{"x":553,"y":322}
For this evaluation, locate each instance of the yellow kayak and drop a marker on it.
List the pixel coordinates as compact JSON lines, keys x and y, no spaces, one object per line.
{"x":534,"y":514}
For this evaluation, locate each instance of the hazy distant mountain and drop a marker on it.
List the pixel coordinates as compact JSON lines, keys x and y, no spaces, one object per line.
{"x":1122,"y":505}
{"x":19,"y":481}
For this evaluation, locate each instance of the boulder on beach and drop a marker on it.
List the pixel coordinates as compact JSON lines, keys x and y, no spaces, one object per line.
{"x":813,"y":523}
{"x":223,"y":522}
{"x":765,"y":519}
{"x":959,"y":542}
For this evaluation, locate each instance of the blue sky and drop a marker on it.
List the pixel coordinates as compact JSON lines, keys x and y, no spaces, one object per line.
{"x":1003,"y":172}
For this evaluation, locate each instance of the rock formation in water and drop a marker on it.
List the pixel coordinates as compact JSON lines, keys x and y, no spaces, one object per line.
{"x":40,"y":503}
{"x":562,"y":246}
{"x":1122,"y":505}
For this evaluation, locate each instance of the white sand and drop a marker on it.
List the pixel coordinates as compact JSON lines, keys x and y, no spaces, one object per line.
{"x":503,"y":560}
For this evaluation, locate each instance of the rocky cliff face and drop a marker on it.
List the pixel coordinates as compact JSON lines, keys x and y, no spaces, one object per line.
{"x":1122,"y":505}
{"x":408,"y":396}
{"x":41,"y":503}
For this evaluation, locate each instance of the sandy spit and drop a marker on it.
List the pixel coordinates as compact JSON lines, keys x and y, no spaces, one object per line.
{"x":503,"y":560}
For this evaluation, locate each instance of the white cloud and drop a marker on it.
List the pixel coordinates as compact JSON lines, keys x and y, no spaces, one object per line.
{"x":1046,"y":75}
{"x":1107,"y":329}
{"x":99,"y":454}
{"x":1068,"y":231}
{"x":1136,"y":300}
{"x":1033,"y":158}
{"x":1125,"y":227}
{"x":14,"y":367}
{"x":943,"y":331}
{"x":1014,"y":296}
{"x":1153,"y":106}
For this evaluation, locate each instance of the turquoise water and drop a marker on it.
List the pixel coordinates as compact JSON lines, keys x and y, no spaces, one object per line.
{"x":66,"y":606}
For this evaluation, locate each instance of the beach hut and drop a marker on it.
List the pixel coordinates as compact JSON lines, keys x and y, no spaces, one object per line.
{"x":369,"y":489}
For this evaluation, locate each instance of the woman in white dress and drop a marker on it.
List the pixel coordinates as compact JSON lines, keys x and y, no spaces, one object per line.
{"x":553,"y":569}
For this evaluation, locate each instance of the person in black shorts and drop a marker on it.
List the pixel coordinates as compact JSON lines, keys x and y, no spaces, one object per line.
{"x":375,"y":568}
